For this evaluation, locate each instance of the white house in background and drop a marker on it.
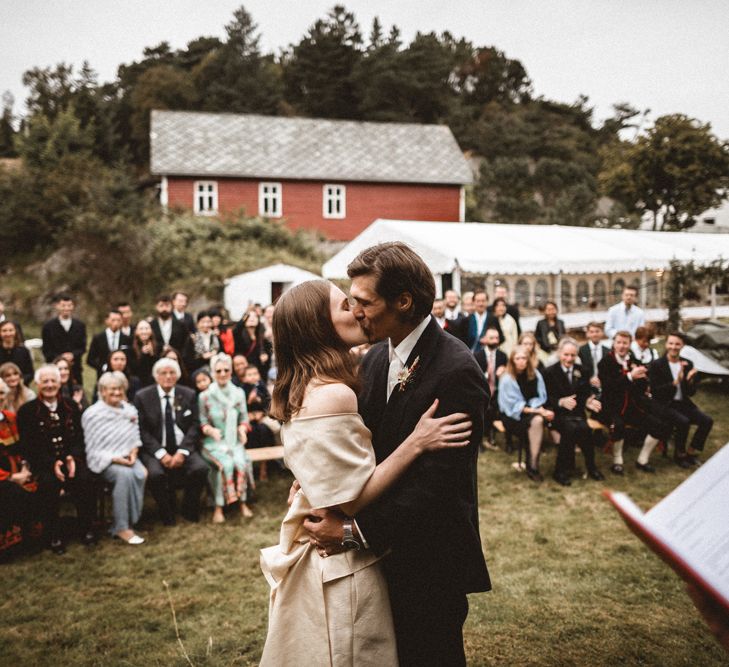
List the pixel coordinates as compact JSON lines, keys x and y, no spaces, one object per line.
{"x":262,"y":286}
{"x":712,"y":220}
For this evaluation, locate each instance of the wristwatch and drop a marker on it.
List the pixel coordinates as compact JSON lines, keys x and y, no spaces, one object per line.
{"x":349,"y":541}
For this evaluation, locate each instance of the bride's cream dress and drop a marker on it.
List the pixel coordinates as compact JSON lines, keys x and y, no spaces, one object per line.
{"x":335,"y":610}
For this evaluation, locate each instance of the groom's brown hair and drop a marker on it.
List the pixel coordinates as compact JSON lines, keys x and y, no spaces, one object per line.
{"x":397,"y":268}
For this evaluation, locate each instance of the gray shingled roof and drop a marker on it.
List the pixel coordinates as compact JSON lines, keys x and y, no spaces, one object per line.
{"x":245,"y":145}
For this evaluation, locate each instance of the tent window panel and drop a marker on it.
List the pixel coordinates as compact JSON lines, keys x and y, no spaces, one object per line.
{"x":618,"y":287}
{"x":541,"y":293}
{"x":521,"y":293}
{"x":583,"y":293}
{"x":600,"y":292}
{"x":566,"y":294}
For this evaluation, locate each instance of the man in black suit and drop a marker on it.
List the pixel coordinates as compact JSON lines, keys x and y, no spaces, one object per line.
{"x":673,"y":382}
{"x":170,"y":427}
{"x":179,"y":311}
{"x":106,"y":342}
{"x":128,"y":324}
{"x":568,"y":394}
{"x":455,"y":326}
{"x":479,"y":320}
{"x":65,"y":335}
{"x":168,"y":330}
{"x":428,"y":521}
{"x":591,"y":354}
{"x":492,"y":361}
{"x":501,"y":292}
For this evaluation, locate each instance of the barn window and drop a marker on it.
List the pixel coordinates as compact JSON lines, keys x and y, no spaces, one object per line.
{"x":269,"y":200}
{"x":206,"y":197}
{"x":334,"y":201}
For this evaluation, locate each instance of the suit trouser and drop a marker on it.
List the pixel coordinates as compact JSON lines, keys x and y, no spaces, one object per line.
{"x":162,"y":483}
{"x":81,"y":491}
{"x":683,"y":414}
{"x":574,"y":431}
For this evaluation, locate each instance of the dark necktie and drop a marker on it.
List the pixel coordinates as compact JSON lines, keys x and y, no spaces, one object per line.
{"x":170,"y":444}
{"x":569,"y":376}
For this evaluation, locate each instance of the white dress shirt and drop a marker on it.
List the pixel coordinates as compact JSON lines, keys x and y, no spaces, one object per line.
{"x":621,"y":318}
{"x":596,"y":350}
{"x":66,"y":322}
{"x":179,"y":435}
{"x":441,"y":321}
{"x":399,"y":355}
{"x":675,"y":367}
{"x":452,"y":313}
{"x":112,"y":339}
{"x":165,"y":327}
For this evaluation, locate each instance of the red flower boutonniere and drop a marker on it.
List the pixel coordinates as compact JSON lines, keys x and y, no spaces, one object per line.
{"x":407,"y":374}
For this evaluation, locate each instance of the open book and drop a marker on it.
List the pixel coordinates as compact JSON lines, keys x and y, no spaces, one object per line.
{"x":689,"y":528}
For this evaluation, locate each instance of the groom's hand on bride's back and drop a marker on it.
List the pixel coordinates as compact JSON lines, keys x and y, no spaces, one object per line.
{"x":325,"y":530}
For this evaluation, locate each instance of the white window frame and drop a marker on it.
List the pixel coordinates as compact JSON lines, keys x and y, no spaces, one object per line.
{"x":338,"y":200}
{"x":270,"y":199}
{"x":212,"y":208}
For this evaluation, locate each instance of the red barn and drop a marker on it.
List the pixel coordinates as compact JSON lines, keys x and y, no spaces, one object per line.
{"x":331,"y":176}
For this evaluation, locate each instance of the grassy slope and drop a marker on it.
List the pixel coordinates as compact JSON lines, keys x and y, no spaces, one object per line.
{"x":572,"y":586}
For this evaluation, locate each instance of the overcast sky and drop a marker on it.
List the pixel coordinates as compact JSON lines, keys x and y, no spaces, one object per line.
{"x":669,"y":56}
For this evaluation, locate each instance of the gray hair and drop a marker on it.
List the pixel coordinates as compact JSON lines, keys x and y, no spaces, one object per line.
{"x":221,"y":358}
{"x":47,"y":368}
{"x":113,"y":379}
{"x":166,"y":362}
{"x":564,"y":342}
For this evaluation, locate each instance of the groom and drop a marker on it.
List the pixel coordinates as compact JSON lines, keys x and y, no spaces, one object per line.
{"x":429,"y":519}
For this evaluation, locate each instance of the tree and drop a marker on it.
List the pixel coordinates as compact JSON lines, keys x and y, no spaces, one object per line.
{"x":7,"y":131}
{"x":674,"y":172}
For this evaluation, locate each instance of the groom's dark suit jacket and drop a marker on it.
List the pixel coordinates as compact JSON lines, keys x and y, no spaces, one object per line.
{"x":429,"y":518}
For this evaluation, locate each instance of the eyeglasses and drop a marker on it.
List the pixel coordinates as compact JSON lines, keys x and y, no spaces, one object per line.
{"x":222,"y":370}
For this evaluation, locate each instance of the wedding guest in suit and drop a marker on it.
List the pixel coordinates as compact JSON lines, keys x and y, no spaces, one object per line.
{"x":673,"y":381}
{"x":143,"y":353}
{"x":127,"y":326}
{"x":53,"y":444}
{"x":501,"y":292}
{"x":467,"y":306}
{"x":641,"y":346}
{"x":507,"y":325}
{"x":65,"y":335}
{"x":201,"y":379}
{"x":168,"y":330}
{"x":529,"y":342}
{"x":204,"y":341}
{"x":69,"y":389}
{"x":626,"y":402}
{"x":549,"y":329}
{"x":591,"y":354}
{"x":452,"y":304}
{"x":438,"y":312}
{"x":492,"y":361}
{"x":111,"y":434}
{"x":109,"y":340}
{"x":18,"y":394}
{"x":479,"y":321}
{"x":250,"y":341}
{"x":625,"y":316}
{"x":522,"y":399}
{"x":170,"y":431}
{"x":224,"y":419}
{"x":568,"y":394}
{"x":179,"y":310}
{"x":13,"y":350}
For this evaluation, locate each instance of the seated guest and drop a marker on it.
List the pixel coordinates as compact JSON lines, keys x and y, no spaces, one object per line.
{"x":626,"y":402}
{"x":201,"y":379}
{"x":53,"y":444}
{"x":492,"y":361}
{"x":111,"y":433}
{"x":625,"y":316}
{"x":549,"y":329}
{"x":144,"y":353}
{"x":19,"y":510}
{"x":240,"y":364}
{"x":170,"y":431}
{"x":568,"y":394}
{"x":522,"y":397}
{"x":250,"y":341}
{"x":18,"y":394}
{"x":591,"y":354}
{"x":224,"y":419}
{"x":119,"y":362}
{"x":479,"y":321}
{"x":69,"y":389}
{"x":673,"y":381}
{"x":109,"y":340}
{"x":255,"y":388}
{"x":502,"y":292}
{"x":641,"y":346}
{"x":13,"y":350}
{"x":171,"y":353}
{"x":529,"y":341}
{"x":507,"y":325}
{"x":204,"y":341}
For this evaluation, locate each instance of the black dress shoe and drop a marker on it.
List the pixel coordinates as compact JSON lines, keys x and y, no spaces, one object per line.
{"x":645,"y":467}
{"x":596,"y":475}
{"x":562,"y":479}
{"x":169,"y":522}
{"x":681,"y":461}
{"x":89,"y":538}
{"x":58,"y":547}
{"x":616,"y":469}
{"x":693,"y":459}
{"x":534,"y":475}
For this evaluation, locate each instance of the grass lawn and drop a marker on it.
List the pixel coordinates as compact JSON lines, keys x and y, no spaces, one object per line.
{"x":572,"y":586}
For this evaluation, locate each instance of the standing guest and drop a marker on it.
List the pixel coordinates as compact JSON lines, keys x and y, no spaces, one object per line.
{"x":4,"y":318}
{"x":179,"y":310}
{"x":109,"y":340}
{"x":223,"y":329}
{"x":169,"y":352}
{"x":529,"y":342}
{"x":128,"y":326}
{"x":456,"y":320}
{"x":170,"y":431}
{"x":250,"y":341}
{"x":625,"y":402}
{"x":69,"y":389}
{"x":204,"y":341}
{"x":502,"y":292}
{"x":111,"y":433}
{"x":625,"y":316}
{"x":522,"y":397}
{"x":549,"y":329}
{"x":53,"y":444}
{"x":65,"y":335}
{"x":167,"y":329}
{"x":13,"y":350}
{"x":201,"y":379}
{"x":673,"y":381}
{"x":467,"y":306}
{"x":452,"y":304}
{"x":267,"y":319}
{"x":492,"y":361}
{"x":568,"y":394}
{"x":438,"y":312}
{"x":507,"y":325}
{"x":641,"y":346}
{"x":240,"y":363}
{"x":18,"y":394}
{"x":479,"y":321}
{"x":224,"y":417}
{"x":143,"y":354}
{"x":591,"y":354}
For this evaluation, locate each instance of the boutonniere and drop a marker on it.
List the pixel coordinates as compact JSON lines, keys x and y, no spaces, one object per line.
{"x":576,"y":373}
{"x":407,"y":374}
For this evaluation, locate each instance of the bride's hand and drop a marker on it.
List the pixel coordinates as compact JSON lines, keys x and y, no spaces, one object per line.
{"x":292,"y":492}
{"x":432,"y":434}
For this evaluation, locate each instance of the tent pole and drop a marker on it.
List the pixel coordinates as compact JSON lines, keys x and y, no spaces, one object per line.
{"x":713,"y":300}
{"x":457,"y":279}
{"x":557,"y":277}
{"x":643,"y":288}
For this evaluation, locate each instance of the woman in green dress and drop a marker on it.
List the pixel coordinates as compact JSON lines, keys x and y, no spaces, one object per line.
{"x":224,"y":421}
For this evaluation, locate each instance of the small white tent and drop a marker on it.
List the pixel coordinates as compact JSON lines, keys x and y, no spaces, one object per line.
{"x":261,"y":286}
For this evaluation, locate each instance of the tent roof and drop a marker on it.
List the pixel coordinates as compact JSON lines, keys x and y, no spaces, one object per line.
{"x":277,"y":272}
{"x":533,"y":249}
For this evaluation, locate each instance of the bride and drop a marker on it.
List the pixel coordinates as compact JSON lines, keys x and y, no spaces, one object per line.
{"x":331,"y":610}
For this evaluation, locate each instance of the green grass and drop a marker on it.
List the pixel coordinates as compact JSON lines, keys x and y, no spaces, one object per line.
{"x":572,"y":586}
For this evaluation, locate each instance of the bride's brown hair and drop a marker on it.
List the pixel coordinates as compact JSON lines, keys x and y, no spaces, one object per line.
{"x":307,"y":346}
